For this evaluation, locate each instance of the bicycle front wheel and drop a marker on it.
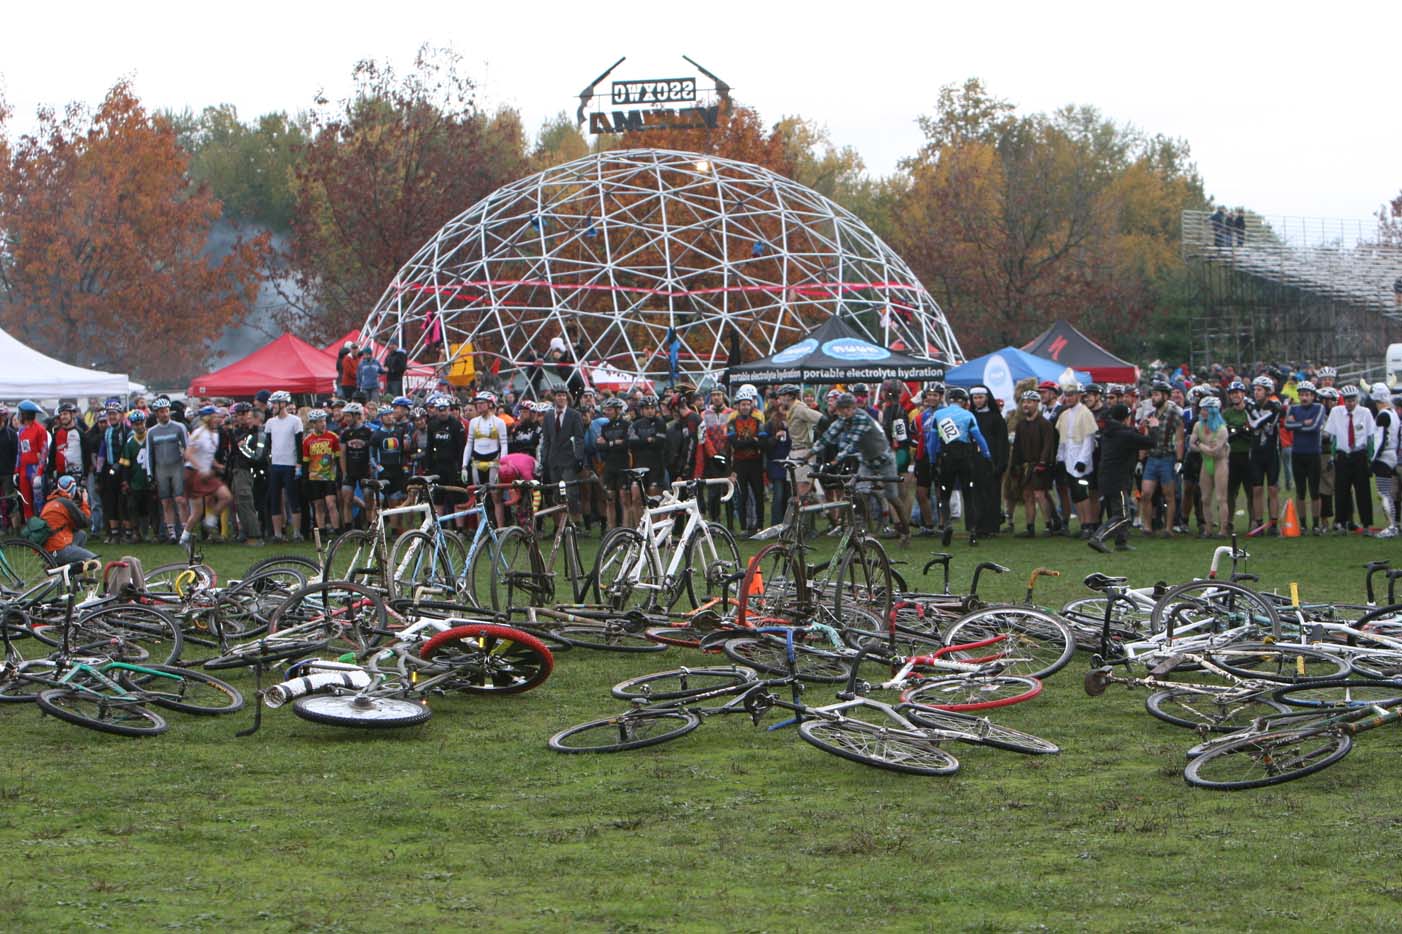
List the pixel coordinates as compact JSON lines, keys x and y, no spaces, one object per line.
{"x":1267,"y":759}
{"x":710,"y":567}
{"x":626,"y":573}
{"x":966,"y":692}
{"x":124,"y":632}
{"x":22,"y":564}
{"x":625,"y":731}
{"x":1282,"y":664}
{"x":1217,"y":713}
{"x":374,"y":713}
{"x":351,"y":557}
{"x":683,"y":682}
{"x":770,"y":656}
{"x":864,"y":580}
{"x":419,"y":567}
{"x":125,"y":717}
{"x":980,"y":731}
{"x":183,"y":690}
{"x":489,"y":659}
{"x":1029,"y":642}
{"x":873,"y":745}
{"x":520,"y":575}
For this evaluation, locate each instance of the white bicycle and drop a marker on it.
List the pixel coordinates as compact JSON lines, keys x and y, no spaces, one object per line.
{"x":649,"y":567}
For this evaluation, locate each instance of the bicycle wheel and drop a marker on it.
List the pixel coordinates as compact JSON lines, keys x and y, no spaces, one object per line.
{"x":1030,"y":642}
{"x":124,"y":632}
{"x":125,"y":717}
{"x":1282,"y":664}
{"x":863,"y":580}
{"x":1217,"y":713}
{"x":631,"y":730}
{"x":301,"y":564}
{"x":1267,"y":759}
{"x":22,"y":564}
{"x":980,"y":731}
{"x":245,"y":608}
{"x":1202,"y":606}
{"x":488,"y":659}
{"x":20,"y":684}
{"x":351,"y":557}
{"x":611,"y":636}
{"x":769,"y":655}
{"x":683,"y":682}
{"x":971,"y":692}
{"x":769,"y":591}
{"x":873,"y":745}
{"x":266,"y":650}
{"x":371,"y":713}
{"x":187,"y":691}
{"x":520,"y":577}
{"x":568,"y":564}
{"x":1343,"y":693}
{"x":709,"y":568}
{"x":419,"y":567}
{"x":626,"y":575}
{"x":175,"y":580}
{"x":340,"y":614}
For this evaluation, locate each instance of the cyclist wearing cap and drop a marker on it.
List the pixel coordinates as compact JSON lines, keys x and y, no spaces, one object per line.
{"x":321,"y":451}
{"x":950,"y":445}
{"x":524,"y":436}
{"x":165,"y":443}
{"x":1351,"y":428}
{"x":611,"y":440}
{"x":747,"y":437}
{"x":112,"y":438}
{"x":1305,"y":420}
{"x":1210,"y":439}
{"x":1164,"y":427}
{"x":68,"y":451}
{"x":1032,"y":460}
{"x":802,"y":423}
{"x":285,"y":444}
{"x":1263,"y":417}
{"x":389,"y":445}
{"x":445,"y":447}
{"x":854,"y":433}
{"x":357,"y":464}
{"x":486,"y":442}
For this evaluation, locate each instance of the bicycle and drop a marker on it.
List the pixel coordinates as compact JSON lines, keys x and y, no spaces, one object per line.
{"x":641,"y":568}
{"x":525,"y":569}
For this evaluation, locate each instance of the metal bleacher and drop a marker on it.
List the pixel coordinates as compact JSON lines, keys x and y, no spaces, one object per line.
{"x":1338,"y":260}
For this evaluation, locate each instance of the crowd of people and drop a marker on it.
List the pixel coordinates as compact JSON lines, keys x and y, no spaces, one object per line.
{"x":1094,"y":461}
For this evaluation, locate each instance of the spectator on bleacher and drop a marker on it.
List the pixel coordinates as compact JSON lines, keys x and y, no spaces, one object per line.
{"x":1239,"y":226}
{"x":1220,"y":235}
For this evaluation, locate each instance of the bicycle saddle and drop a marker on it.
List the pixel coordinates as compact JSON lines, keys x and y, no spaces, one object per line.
{"x":425,"y":479}
{"x":635,"y":471}
{"x":375,"y":484}
{"x":1098,"y":581}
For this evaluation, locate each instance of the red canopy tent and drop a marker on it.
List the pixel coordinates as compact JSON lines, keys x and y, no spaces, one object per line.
{"x":417,"y":374}
{"x":1066,"y":345}
{"x":288,"y":363}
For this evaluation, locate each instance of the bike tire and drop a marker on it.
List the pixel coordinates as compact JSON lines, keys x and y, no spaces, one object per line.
{"x":21,"y":686}
{"x":1282,"y":664}
{"x":351,"y":557}
{"x":520,"y":578}
{"x":631,"y":730}
{"x":1271,"y":758}
{"x":163,"y":578}
{"x":417,"y":565}
{"x":104,"y":714}
{"x":682,"y":683}
{"x":1227,"y":604}
{"x":126,"y":632}
{"x":25,"y":564}
{"x":874,"y":746}
{"x":1035,"y":643}
{"x":1339,"y":694}
{"x":770,"y":588}
{"x":980,"y":731}
{"x":609,"y":639}
{"x":264,"y":652}
{"x":963,"y":692}
{"x":344,"y":615}
{"x":195,"y":692}
{"x":768,"y":655}
{"x":300,"y":563}
{"x":369,"y":713}
{"x":1216,"y":713}
{"x":707,"y":575}
{"x":626,"y":575}
{"x":864,"y":580}
{"x":491,"y":659}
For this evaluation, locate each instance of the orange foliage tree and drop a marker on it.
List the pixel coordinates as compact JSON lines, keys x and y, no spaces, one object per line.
{"x":105,"y":252}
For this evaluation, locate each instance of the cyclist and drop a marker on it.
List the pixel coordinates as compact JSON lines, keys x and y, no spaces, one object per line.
{"x":715,"y":454}
{"x":1032,"y":460}
{"x":747,"y":437}
{"x":487,"y":442}
{"x":1164,"y":427}
{"x":284,"y":430}
{"x":357,"y":446}
{"x":136,"y":482}
{"x":389,"y":447}
{"x":1350,"y":426}
{"x":111,"y":439}
{"x":612,"y":443}
{"x":647,"y":440}
{"x":1120,"y":445}
{"x":854,"y":433}
{"x":1386,"y":440}
{"x":165,"y":444}
{"x":445,"y":445}
{"x":1075,"y":431}
{"x":247,"y":458}
{"x":321,"y":450}
{"x":208,"y":494}
{"x":1263,"y":417}
{"x":950,"y":445}
{"x":67,"y":514}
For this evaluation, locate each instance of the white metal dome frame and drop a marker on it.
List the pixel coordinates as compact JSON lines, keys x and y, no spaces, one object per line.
{"x":627,"y":247}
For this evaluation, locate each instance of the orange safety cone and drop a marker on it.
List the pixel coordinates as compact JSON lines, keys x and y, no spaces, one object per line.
{"x":1290,"y":524}
{"x":756,"y":585}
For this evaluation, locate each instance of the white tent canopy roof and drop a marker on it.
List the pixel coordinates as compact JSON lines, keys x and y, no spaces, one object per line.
{"x":27,"y":372}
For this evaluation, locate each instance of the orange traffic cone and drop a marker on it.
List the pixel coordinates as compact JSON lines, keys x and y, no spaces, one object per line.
{"x":1290,"y":524}
{"x":756,"y":585}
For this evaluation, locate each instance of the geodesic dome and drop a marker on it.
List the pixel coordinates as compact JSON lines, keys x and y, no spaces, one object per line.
{"x":651,"y":261}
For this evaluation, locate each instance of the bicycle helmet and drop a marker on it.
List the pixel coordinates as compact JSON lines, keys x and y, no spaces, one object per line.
{"x":846,"y":398}
{"x":206,"y":410}
{"x":1349,"y":392}
{"x":746,"y":393}
{"x":936,"y":386}
{"x":1264,"y":382}
{"x":136,"y":417}
{"x":1211,"y":402}
{"x":1072,"y":387}
{"x":160,"y":403}
{"x":1328,"y":372}
{"x":355,"y":408}
{"x":788,"y":389}
{"x":67,"y":407}
{"x":1160,"y":385}
{"x":1305,"y":385}
{"x":612,"y":402}
{"x":418,"y":412}
{"x":1030,"y":395}
{"x":481,"y":397}
{"x":1094,"y":389}
{"x":1236,"y":385}
{"x":405,"y":401}
{"x":540,"y":408}
{"x":1329,"y":392}
{"x":833,"y":394}
{"x":242,"y":407}
{"x":1046,"y":384}
{"x":861,"y":389}
{"x":29,"y":407}
{"x":1380,"y":392}
{"x":281,"y":395}
{"x":957,"y":394}
{"x":647,"y":402}
{"x":316,"y":415}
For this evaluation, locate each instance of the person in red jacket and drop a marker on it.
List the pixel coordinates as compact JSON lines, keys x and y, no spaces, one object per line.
{"x":33,"y":456}
{"x":68,"y":515}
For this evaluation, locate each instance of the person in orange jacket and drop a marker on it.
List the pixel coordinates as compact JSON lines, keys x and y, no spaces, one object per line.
{"x":68,"y":516}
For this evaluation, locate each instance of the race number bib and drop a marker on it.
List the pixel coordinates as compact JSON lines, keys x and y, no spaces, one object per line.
{"x":949,"y":432}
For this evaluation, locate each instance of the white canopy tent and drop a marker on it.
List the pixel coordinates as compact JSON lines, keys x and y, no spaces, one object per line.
{"x":28,"y":373}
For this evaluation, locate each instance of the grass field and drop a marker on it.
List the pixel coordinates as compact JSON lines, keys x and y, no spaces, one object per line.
{"x":470,"y":822}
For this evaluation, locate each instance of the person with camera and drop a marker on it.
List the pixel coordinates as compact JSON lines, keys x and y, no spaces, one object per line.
{"x":67,"y":514}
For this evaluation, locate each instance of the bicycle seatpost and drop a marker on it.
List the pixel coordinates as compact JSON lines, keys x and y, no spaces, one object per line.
{"x":1372,"y":568}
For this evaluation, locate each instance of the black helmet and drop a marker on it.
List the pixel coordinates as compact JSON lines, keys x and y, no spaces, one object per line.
{"x":1160,"y":385}
{"x":956,"y":394}
{"x":1095,"y":388}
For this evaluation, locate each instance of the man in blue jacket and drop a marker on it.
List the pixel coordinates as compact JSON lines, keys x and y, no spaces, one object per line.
{"x":950,"y":445}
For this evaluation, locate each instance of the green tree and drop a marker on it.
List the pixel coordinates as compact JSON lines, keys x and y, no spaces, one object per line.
{"x":249,"y":168}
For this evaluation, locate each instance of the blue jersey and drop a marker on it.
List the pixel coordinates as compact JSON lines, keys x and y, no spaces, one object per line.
{"x":953,"y":424}
{"x":1306,"y":421}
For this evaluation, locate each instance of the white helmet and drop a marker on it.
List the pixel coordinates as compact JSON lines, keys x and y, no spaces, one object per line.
{"x":316,"y":415}
{"x":746,"y":393}
{"x":1328,"y":372}
{"x":282,"y":395}
{"x":1264,"y":381}
{"x":354,"y":408}
{"x":1211,"y":402}
{"x":1380,"y":392}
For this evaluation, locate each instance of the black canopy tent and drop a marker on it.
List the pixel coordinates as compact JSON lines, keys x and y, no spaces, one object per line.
{"x":835,"y":353}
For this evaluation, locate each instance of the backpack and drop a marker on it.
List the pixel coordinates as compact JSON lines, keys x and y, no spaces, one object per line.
{"x":36,"y":531}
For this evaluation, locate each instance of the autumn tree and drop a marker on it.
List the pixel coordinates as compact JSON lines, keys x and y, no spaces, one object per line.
{"x":382,"y":172}
{"x":104,"y":253}
{"x":739,"y":134}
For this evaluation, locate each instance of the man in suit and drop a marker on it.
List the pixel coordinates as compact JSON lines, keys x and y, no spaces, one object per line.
{"x":562,"y":446}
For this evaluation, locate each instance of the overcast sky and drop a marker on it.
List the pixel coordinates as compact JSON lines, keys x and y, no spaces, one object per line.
{"x":1290,"y":110}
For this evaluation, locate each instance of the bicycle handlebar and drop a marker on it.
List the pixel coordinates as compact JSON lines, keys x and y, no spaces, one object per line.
{"x":712,"y":481}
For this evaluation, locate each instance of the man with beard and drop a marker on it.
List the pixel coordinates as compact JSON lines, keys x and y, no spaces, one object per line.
{"x":1033,"y":457}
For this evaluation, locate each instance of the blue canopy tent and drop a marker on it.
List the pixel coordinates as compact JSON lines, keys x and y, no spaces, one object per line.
{"x":1001,"y":370}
